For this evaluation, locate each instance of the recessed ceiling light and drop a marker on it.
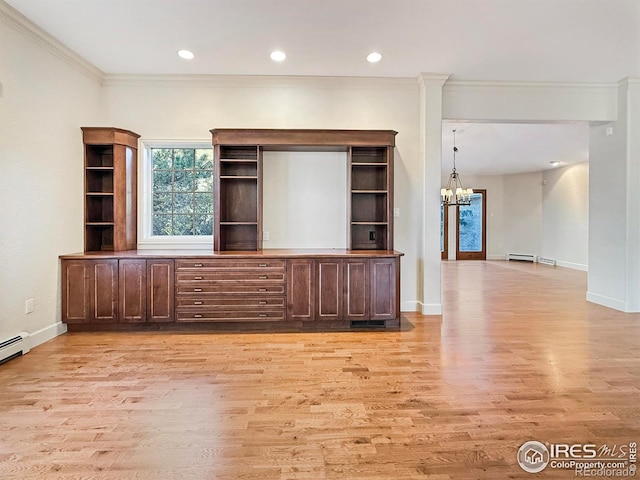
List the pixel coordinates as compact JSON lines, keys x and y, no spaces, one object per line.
{"x":278,"y":56}
{"x":374,"y":57}
{"x":186,"y":54}
{"x":554,"y":163}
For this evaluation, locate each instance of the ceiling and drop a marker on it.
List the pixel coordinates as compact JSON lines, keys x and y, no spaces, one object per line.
{"x":493,"y":40}
{"x":500,"y":148}
{"x":523,"y":40}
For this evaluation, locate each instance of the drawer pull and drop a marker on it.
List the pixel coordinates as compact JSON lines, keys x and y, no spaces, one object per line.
{"x":197,"y":315}
{"x":197,"y":303}
{"x":262,"y":302}
{"x":262,"y":289}
{"x":263,"y":277}
{"x":263,"y":265}
{"x":197,"y":278}
{"x":197,"y":289}
{"x":262,"y":314}
{"x":197,"y":264}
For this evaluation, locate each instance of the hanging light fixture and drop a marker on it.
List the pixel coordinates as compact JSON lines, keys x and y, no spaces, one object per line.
{"x":455,"y":194}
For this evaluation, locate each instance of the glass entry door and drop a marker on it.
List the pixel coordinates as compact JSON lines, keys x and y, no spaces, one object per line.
{"x":472,"y":228}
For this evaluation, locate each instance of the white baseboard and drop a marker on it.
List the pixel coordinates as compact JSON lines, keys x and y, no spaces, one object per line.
{"x":607,"y":301}
{"x":574,"y":266}
{"x":413,"y":306}
{"x":47,"y":333}
{"x":431,"y":308}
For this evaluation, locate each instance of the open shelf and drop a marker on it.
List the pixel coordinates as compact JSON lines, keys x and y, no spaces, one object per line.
{"x":238,"y":236}
{"x":110,"y":189}
{"x":368,"y":155}
{"x":238,"y":201}
{"x":369,"y":236}
{"x":369,"y":207}
{"x":367,"y":177}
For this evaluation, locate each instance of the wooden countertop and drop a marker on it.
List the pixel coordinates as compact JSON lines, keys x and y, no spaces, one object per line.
{"x":265,"y":253}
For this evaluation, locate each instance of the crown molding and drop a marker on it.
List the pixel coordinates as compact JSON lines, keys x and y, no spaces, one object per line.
{"x":256,"y":81}
{"x":22,"y":24}
{"x":433,"y":79}
{"x":455,"y":85}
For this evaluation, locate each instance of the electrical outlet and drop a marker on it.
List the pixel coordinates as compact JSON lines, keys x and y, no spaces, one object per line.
{"x":28,"y":306}
{"x":396,"y":212}
{"x":265,"y":236}
{"x":372,"y":236}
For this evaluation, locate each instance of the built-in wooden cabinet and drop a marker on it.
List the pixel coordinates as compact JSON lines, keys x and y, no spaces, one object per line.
{"x":238,"y":177}
{"x":112,"y":290}
{"x":90,"y":291}
{"x":110,"y":193}
{"x":326,"y":289}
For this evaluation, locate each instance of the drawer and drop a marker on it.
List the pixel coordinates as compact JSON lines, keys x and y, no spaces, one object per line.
{"x":223,"y":302}
{"x":190,"y":315}
{"x":229,"y":264}
{"x":230,"y":276}
{"x":234,"y":289}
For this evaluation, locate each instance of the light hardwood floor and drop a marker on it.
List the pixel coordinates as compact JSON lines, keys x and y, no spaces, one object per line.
{"x":519,"y":355}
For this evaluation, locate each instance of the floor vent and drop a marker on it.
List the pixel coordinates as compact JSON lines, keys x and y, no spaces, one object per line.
{"x":13,"y":346}
{"x":368,"y":324}
{"x":546,"y":261}
{"x":522,"y":257}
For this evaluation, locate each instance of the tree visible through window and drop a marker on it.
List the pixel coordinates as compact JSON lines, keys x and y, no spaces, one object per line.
{"x":182,"y":191}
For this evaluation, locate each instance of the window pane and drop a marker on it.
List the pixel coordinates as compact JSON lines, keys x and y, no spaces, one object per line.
{"x":162,"y":181}
{"x":203,"y":225}
{"x":204,"y":159}
{"x":162,"y":158}
{"x":183,"y":180}
{"x":471,"y":225}
{"x":204,"y":181}
{"x":203,"y":202}
{"x":161,"y":202}
{"x":183,"y":225}
{"x":183,"y":203}
{"x":182,"y":187}
{"x":162,"y":225}
{"x":183,"y":158}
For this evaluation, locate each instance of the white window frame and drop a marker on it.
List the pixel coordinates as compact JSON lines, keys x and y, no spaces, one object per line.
{"x":146,"y":240}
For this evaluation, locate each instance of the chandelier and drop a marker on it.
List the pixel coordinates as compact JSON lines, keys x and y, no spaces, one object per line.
{"x":455,"y":194}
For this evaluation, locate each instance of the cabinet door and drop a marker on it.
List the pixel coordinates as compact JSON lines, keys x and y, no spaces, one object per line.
{"x":329,"y":277}
{"x":300,"y":289}
{"x":383,"y":278}
{"x":75,"y":291}
{"x":103,"y":290}
{"x":356,"y":281}
{"x":160,"y":294}
{"x":132,"y":286}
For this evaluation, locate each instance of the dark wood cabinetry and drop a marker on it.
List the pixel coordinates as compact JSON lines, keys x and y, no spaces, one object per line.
{"x":90,"y":291}
{"x":238,"y":152}
{"x":297,"y":289}
{"x":228,"y":290}
{"x":110,"y":172}
{"x":112,"y":290}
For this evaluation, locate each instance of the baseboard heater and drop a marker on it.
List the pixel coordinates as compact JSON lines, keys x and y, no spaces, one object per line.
{"x":546,"y":261}
{"x":522,"y":257}
{"x":13,"y":346}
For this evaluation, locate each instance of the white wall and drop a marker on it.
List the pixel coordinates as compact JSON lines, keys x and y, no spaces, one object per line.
{"x":45,"y":101}
{"x":565,"y":216}
{"x":188,"y":107}
{"x":514,"y":213}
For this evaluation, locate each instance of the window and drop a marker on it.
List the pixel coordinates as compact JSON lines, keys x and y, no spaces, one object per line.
{"x":177,"y":200}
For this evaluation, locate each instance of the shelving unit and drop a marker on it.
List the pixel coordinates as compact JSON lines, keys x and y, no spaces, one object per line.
{"x":110,"y":191}
{"x":238,"y":205}
{"x":370,"y":185}
{"x":238,"y":219}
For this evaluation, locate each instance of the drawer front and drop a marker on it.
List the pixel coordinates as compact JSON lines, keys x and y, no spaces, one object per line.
{"x":233,"y":289}
{"x":223,"y":302}
{"x":229,"y":264}
{"x":189,"y":315}
{"x":231,"y":276}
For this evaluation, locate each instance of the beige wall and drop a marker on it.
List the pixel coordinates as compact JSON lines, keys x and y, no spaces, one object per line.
{"x":45,"y":100}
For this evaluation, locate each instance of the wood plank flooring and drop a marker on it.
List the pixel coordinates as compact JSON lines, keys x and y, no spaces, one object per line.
{"x":519,"y":355}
